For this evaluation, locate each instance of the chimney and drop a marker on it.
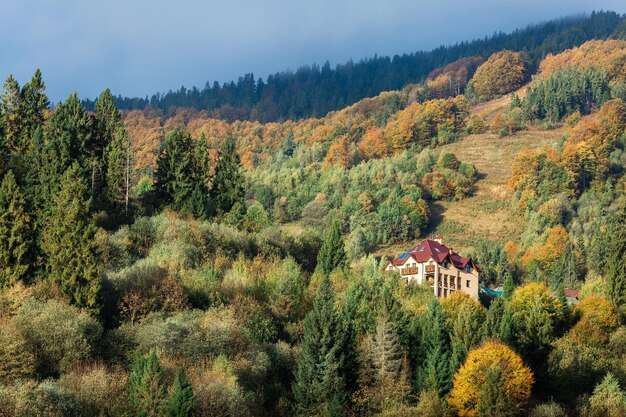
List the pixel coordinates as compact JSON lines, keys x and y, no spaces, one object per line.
{"x":438,"y":239}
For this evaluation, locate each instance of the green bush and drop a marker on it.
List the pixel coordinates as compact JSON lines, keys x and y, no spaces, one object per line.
{"x":61,"y":336}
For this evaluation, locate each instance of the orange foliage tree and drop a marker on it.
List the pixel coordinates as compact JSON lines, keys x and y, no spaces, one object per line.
{"x":470,"y":382}
{"x":602,"y":55}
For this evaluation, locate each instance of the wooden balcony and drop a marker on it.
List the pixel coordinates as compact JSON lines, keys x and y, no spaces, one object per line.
{"x":409,"y":271}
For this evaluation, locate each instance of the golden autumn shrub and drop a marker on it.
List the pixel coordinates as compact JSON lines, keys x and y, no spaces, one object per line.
{"x":470,"y":380}
{"x":598,"y":319}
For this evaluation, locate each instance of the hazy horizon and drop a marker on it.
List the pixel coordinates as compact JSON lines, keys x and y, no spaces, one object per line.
{"x":142,"y":48}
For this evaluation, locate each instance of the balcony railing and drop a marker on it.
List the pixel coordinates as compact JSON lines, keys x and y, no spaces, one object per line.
{"x":409,"y":271}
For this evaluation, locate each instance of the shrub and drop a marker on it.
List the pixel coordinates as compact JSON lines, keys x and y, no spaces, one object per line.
{"x":98,"y":390}
{"x":16,"y":361}
{"x":61,"y":336}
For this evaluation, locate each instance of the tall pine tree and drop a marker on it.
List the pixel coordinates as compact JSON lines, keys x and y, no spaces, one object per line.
{"x":228,"y":182}
{"x":319,"y":387}
{"x":147,"y":389}
{"x":181,"y":401}
{"x":15,"y":233}
{"x":12,"y":111}
{"x":68,"y":243}
{"x":175,"y":170}
{"x":35,"y":104}
{"x":332,"y":254}
{"x":616,"y":264}
{"x":435,"y":371}
{"x":118,"y":174}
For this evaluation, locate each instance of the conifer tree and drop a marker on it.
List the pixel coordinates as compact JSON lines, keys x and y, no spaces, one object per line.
{"x":147,"y":390}
{"x":492,"y":399}
{"x":332,"y":254}
{"x":35,"y":103}
{"x":228,"y":182}
{"x":616,"y":265}
{"x":67,"y":139}
{"x":506,"y":332}
{"x":175,"y":170}
{"x":108,"y":124}
{"x":118,"y":173}
{"x":508,"y":287}
{"x":68,"y":243}
{"x":201,"y":204}
{"x":491,"y":327}
{"x":466,"y":334}
{"x":388,"y":365}
{"x":12,"y":111}
{"x":15,"y":233}
{"x":435,"y":371}
{"x":181,"y":400}
{"x":319,"y":386}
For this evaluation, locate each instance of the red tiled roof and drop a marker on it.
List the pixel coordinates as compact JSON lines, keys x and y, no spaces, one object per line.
{"x":430,"y":249}
{"x":571,"y":293}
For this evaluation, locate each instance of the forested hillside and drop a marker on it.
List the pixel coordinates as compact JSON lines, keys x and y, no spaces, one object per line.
{"x":178,"y":264}
{"x":313,"y":91}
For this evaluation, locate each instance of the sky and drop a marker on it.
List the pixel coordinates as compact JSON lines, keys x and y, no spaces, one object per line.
{"x":139,"y":47}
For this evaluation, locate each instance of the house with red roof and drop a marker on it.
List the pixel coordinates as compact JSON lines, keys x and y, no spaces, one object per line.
{"x":444,"y":270}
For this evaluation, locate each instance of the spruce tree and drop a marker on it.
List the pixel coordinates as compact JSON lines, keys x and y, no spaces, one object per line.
{"x":68,"y":243}
{"x":466,"y":334}
{"x":319,"y":386}
{"x":67,"y":139}
{"x":175,"y":170}
{"x":35,"y":103}
{"x":506,"y":332}
{"x":435,"y":371}
{"x":118,"y":173}
{"x":181,"y":400}
{"x":492,"y":399}
{"x":15,"y":233}
{"x":201,"y":205}
{"x":228,"y":181}
{"x":491,"y":327}
{"x":616,"y":264}
{"x":108,"y":123}
{"x":147,"y":390}
{"x":508,"y":287}
{"x":12,"y":111}
{"x":332,"y":254}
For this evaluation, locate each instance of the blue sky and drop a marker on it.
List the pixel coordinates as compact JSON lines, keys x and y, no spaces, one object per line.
{"x":138,"y":47}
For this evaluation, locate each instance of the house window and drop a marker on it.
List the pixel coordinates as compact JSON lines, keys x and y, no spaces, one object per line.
{"x":468,"y":283}
{"x":467,"y":268}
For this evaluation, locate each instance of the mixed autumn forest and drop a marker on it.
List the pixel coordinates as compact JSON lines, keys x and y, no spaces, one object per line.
{"x":220,"y":251}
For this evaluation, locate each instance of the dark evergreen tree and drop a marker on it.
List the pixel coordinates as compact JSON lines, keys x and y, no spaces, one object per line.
{"x":175,"y":170}
{"x":181,"y":401}
{"x":508,"y":287}
{"x":15,"y":233}
{"x":201,"y":205}
{"x":147,"y":389}
{"x":493,"y":400}
{"x":67,"y":139}
{"x":228,"y":182}
{"x":319,"y":386}
{"x":435,"y":371}
{"x":118,"y":174}
{"x":68,"y":243}
{"x":616,"y":264}
{"x":466,"y":334}
{"x":35,"y":104}
{"x":332,"y":254}
{"x":491,"y":327}
{"x":108,"y":124}
{"x":507,"y":327}
{"x":13,"y":115}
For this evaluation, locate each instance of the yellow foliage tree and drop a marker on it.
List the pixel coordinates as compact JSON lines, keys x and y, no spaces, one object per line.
{"x":503,"y":72}
{"x":470,"y":380}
